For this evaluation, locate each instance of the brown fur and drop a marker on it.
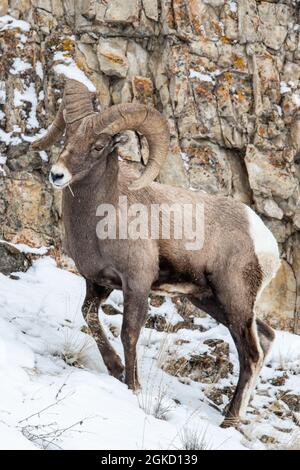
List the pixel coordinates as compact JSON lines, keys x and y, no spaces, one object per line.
{"x":223,"y":277}
{"x":226,"y":266}
{"x":253,"y":276}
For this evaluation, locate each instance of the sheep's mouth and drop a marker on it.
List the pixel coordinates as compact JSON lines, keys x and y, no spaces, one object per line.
{"x":60,"y":186}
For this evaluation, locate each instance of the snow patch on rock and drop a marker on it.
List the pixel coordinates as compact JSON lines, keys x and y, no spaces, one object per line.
{"x":70,"y":70}
{"x":19,"y":66}
{"x":28,"y":95}
{"x":8,"y":22}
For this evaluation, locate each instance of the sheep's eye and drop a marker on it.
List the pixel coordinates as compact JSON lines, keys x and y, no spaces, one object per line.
{"x":98,"y":148}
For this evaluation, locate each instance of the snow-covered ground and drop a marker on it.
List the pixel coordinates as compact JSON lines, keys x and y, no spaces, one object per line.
{"x":55,"y":391}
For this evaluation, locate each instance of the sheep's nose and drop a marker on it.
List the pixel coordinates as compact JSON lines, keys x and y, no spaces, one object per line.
{"x":56,"y":177}
{"x":59,"y":175}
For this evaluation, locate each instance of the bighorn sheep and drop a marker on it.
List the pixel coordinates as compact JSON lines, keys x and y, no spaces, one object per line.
{"x":238,"y":258}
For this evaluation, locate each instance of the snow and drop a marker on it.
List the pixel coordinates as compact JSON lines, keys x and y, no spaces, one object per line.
{"x":70,"y":70}
{"x":284,"y":88}
{"x":287,"y":87}
{"x":186,"y":160}
{"x":41,"y":96}
{"x":232,"y":6}
{"x":44,"y":156}
{"x":202,"y":76}
{"x":287,"y":348}
{"x":2,"y":93}
{"x":73,"y":72}
{"x":36,"y":136}
{"x":28,"y":95}
{"x":57,"y":393}
{"x":296,"y":99}
{"x":27,"y":249}
{"x":168,"y":310}
{"x":39,"y":70}
{"x":205,"y":76}
{"x":60,"y":56}
{"x":13,"y":439}
{"x":18,"y":66}
{"x":8,"y":138}
{"x":23,"y":39}
{"x":4,"y":136}
{"x":8,"y":22}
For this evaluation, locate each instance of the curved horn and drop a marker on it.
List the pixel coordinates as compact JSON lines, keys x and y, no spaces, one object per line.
{"x":147,"y":121}
{"x":76,"y":104}
{"x":54,"y":133}
{"x":77,"y":101}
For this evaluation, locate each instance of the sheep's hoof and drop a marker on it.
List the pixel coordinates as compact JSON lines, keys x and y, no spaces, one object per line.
{"x":118,"y":372}
{"x":134,"y":386}
{"x":137,"y":390}
{"x":230,"y":422}
{"x":120,"y":375}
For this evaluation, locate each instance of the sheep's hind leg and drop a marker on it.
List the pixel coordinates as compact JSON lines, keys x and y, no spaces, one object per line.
{"x":251,"y":357}
{"x":95,"y":295}
{"x":253,"y":339}
{"x":266,"y":336}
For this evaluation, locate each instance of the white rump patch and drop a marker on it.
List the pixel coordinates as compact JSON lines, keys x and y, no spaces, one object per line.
{"x":265,"y":246}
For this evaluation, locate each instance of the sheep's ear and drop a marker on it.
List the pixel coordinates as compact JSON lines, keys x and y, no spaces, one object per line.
{"x":102,"y":141}
{"x":121,"y":139}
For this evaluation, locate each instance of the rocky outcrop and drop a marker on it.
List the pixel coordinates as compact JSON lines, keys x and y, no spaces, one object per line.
{"x":225,"y":73}
{"x":12,"y":260}
{"x":208,"y":367}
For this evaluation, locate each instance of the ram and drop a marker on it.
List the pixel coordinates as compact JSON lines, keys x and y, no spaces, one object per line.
{"x":224,"y":276}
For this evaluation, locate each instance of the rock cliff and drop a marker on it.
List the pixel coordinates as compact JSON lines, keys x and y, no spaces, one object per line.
{"x":225,"y":73}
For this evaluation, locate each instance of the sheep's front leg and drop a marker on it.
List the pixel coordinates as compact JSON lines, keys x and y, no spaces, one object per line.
{"x":134,"y":317}
{"x":95,"y":295}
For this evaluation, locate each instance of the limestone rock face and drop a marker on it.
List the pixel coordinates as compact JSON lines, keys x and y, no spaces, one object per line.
{"x":118,"y":11}
{"x":225,"y":73}
{"x":30,"y":208}
{"x":112,"y":58}
{"x":3,"y":7}
{"x":269,"y":174}
{"x":282,"y":291}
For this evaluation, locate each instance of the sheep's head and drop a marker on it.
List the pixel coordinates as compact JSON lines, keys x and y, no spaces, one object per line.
{"x":81,"y":152}
{"x":90,"y":135}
